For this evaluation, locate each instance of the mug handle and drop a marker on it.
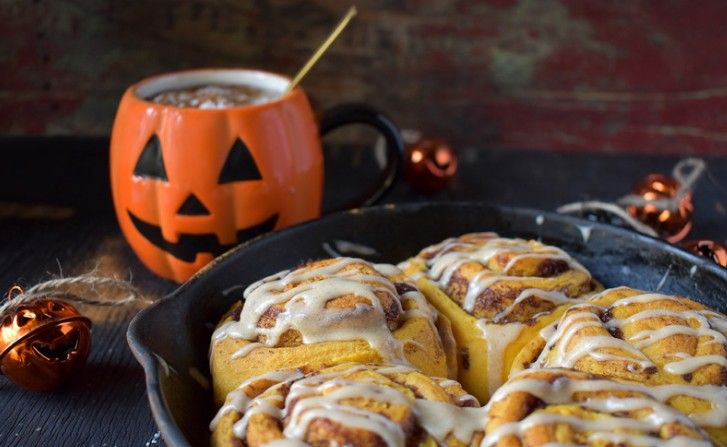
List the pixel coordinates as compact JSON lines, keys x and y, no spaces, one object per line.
{"x":355,"y":113}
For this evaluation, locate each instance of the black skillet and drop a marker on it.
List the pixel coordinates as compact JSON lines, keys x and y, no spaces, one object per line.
{"x":171,"y":338}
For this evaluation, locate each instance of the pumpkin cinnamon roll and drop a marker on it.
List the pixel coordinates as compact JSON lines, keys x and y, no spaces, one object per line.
{"x":563,"y":407}
{"x":325,"y":313}
{"x":497,"y":293}
{"x":671,"y":344}
{"x":353,"y":405}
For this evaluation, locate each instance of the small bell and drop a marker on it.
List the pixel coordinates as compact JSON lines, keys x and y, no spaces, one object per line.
{"x":709,"y":249}
{"x":429,"y":165}
{"x":672,"y":225}
{"x":43,"y":342}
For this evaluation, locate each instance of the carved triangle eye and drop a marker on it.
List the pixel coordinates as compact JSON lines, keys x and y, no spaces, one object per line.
{"x":151,"y":163}
{"x":240,"y":165}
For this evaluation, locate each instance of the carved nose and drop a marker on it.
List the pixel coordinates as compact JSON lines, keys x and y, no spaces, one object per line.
{"x":193,"y":207}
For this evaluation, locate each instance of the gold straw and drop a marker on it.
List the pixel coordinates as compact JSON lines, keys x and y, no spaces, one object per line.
{"x":322,"y":49}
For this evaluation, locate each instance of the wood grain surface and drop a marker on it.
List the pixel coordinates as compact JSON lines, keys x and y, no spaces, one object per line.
{"x":105,"y":405}
{"x":56,"y":218}
{"x":577,"y":75}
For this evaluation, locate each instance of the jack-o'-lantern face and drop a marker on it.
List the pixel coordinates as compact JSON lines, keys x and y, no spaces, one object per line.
{"x":238,"y":167}
{"x":189,"y":184}
{"x":43,"y":343}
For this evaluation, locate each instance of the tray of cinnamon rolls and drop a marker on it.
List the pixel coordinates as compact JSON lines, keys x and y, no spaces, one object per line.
{"x":442,"y":325}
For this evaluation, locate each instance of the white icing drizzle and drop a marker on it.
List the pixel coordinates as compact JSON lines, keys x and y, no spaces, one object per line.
{"x":498,"y":337}
{"x":572,"y":323}
{"x":441,"y":419}
{"x":559,"y":391}
{"x":221,"y":332}
{"x":563,"y":389}
{"x":450,"y":254}
{"x":703,"y":324}
{"x":708,"y":326}
{"x":256,"y":406}
{"x":585,"y":232}
{"x":285,"y":442}
{"x":560,"y":255}
{"x":663,"y":279}
{"x":242,"y":352}
{"x":347,"y":247}
{"x":640,"y":298}
{"x":547,"y":331}
{"x":324,"y":396}
{"x":534,"y":419}
{"x":388,"y":269}
{"x":648,"y":337}
{"x":554,"y":297}
{"x":444,"y":383}
{"x":714,"y":394}
{"x":421,"y":308}
{"x":648,"y":441}
{"x":238,"y":399}
{"x":716,"y":320}
{"x":692,"y":364}
{"x":394,"y":369}
{"x":310,"y":405}
{"x":447,"y":258}
{"x":304,"y":308}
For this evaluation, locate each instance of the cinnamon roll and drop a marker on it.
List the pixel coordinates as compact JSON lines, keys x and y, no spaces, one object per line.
{"x":541,"y":407}
{"x":671,"y":344}
{"x":352,"y":405}
{"x":497,"y":293}
{"x":325,"y":313}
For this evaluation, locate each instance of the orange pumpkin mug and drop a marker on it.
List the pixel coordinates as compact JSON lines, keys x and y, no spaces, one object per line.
{"x":190,"y":183}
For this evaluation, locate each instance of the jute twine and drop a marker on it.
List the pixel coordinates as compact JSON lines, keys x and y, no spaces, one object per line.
{"x":83,"y":289}
{"x":686,"y":172}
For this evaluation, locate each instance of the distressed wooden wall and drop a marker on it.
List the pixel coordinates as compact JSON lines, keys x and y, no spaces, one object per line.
{"x":580,"y":75}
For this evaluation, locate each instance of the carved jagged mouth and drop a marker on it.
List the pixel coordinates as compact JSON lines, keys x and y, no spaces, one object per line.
{"x":59,"y":349}
{"x":189,"y":245}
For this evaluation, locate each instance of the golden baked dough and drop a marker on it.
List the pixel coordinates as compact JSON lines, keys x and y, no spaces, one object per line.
{"x":353,"y":405}
{"x":497,"y":293}
{"x":563,"y":407}
{"x":325,"y":313}
{"x":344,"y":352}
{"x":671,"y":344}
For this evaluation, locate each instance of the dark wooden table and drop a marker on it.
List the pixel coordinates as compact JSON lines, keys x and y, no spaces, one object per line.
{"x":56,"y":218}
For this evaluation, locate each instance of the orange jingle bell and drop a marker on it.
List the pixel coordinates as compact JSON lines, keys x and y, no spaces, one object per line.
{"x":673,"y":225}
{"x":429,"y":165}
{"x":43,"y":342}
{"x":709,"y":249}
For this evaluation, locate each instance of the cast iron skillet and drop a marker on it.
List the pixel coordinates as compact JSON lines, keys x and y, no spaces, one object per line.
{"x":171,"y":338}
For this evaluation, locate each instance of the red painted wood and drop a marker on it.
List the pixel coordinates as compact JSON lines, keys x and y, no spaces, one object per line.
{"x":580,"y":75}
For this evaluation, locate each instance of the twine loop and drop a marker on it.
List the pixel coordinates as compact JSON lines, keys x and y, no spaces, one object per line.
{"x":686,"y":172}
{"x":82,"y":289}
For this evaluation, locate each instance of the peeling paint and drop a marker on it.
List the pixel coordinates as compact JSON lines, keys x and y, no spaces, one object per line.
{"x":535,"y":29}
{"x":540,"y":74}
